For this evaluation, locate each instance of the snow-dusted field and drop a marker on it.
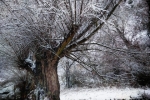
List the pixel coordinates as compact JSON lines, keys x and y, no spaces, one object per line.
{"x":101,"y":93}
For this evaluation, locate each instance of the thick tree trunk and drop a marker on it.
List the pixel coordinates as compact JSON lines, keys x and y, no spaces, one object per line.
{"x":52,"y":81}
{"x":49,"y":68}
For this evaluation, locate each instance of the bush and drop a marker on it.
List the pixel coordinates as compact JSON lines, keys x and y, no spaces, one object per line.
{"x":143,"y":96}
{"x":142,"y":77}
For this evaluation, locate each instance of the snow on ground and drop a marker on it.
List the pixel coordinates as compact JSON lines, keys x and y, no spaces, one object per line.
{"x":101,"y":93}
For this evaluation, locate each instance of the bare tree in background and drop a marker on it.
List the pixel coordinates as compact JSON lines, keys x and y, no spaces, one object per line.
{"x":42,"y":32}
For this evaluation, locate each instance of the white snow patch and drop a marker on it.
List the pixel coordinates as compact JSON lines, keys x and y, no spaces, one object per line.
{"x":2,"y":80}
{"x":31,"y":61}
{"x":141,"y":38}
{"x":131,"y":3}
{"x":9,"y":88}
{"x":46,"y":98}
{"x":101,"y":93}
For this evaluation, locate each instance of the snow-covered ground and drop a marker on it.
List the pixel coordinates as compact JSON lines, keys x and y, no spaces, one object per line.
{"x":101,"y":93}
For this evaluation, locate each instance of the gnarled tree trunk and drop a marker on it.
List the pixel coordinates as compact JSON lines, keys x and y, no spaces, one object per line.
{"x":49,"y":68}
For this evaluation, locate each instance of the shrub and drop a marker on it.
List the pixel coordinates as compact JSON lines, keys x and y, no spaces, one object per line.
{"x":142,"y":77}
{"x":143,"y":96}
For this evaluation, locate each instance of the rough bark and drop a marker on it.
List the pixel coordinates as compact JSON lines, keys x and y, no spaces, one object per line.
{"x":49,"y":70}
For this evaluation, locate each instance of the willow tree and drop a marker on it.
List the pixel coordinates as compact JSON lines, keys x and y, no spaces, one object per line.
{"x":48,"y":30}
